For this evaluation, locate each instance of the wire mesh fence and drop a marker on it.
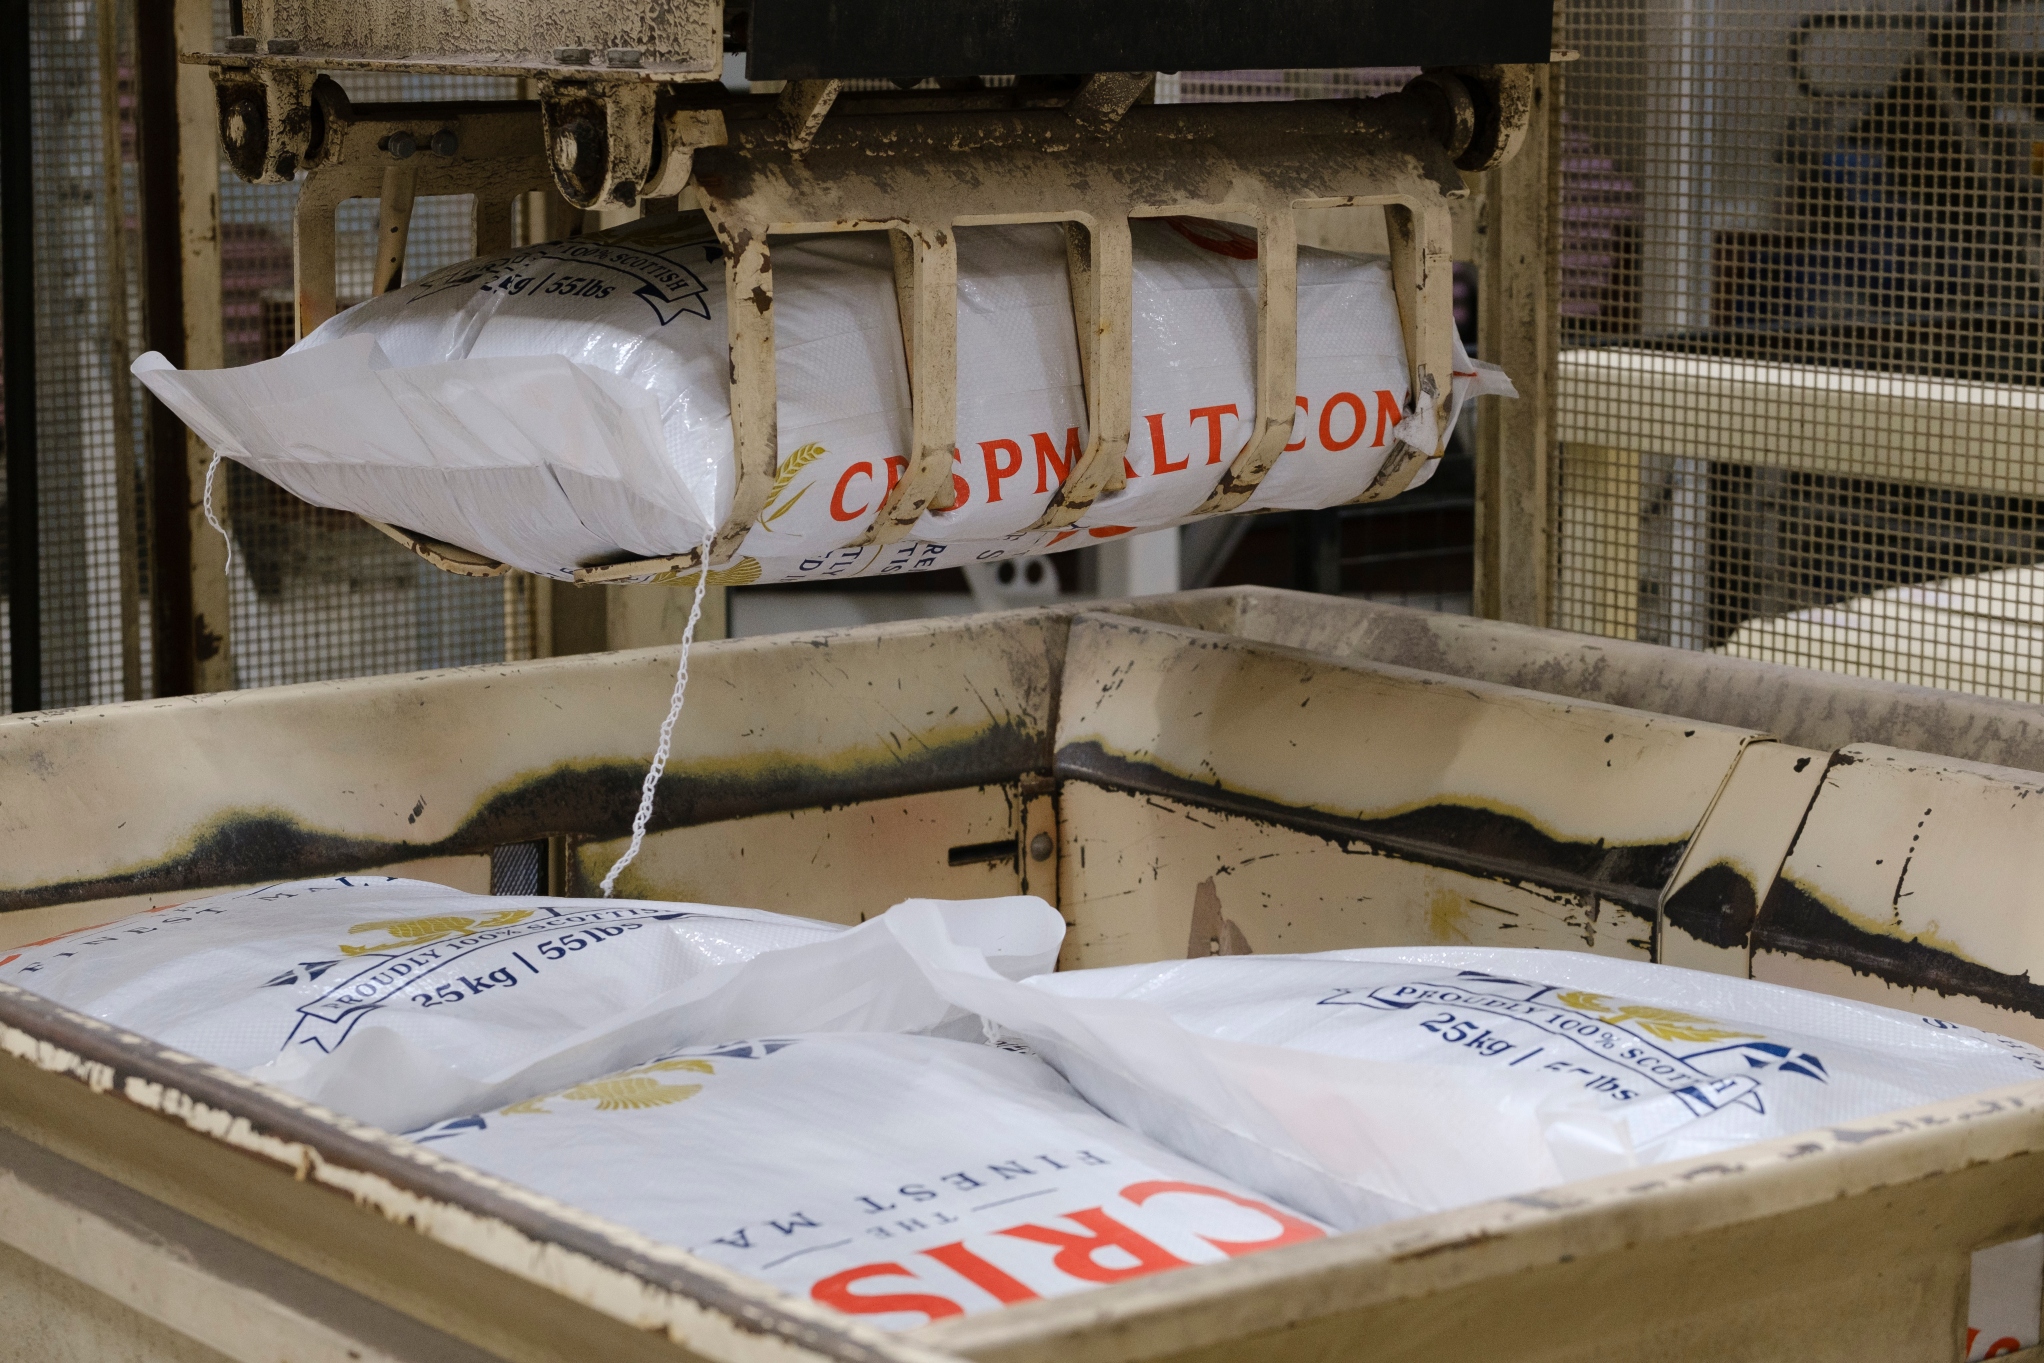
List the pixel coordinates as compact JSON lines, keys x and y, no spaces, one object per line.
{"x":315,"y":594}
{"x":1800,"y":289}
{"x":89,"y":469}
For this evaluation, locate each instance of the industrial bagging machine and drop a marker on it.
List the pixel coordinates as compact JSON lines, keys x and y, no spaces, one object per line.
{"x":1218,"y":772}
{"x":632,"y":112}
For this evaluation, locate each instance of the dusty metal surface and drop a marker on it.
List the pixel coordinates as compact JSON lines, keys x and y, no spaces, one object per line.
{"x":463,"y":760}
{"x":1518,"y":263}
{"x":1811,"y":709}
{"x":195,"y":1284}
{"x":1149,"y":877}
{"x":844,"y":863}
{"x":1708,"y":909}
{"x":1919,"y":876}
{"x":1495,"y":783}
{"x":678,"y":40}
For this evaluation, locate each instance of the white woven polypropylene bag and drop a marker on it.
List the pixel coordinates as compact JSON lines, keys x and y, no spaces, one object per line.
{"x":900,"y":1178}
{"x":569,"y":404}
{"x":400,"y":1002}
{"x":1362,"y":1086}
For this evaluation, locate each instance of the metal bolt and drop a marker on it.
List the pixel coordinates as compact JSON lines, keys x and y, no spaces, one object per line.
{"x":1039,"y":847}
{"x":572,"y":56}
{"x":400,"y":144}
{"x":622,"y":56}
{"x":283,"y":47}
{"x":446,"y":142}
{"x":580,"y":150}
{"x":241,"y":42}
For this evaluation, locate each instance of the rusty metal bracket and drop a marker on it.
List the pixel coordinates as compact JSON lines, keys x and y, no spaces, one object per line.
{"x":268,"y":122}
{"x":396,"y":153}
{"x":599,"y":140}
{"x":1503,"y":98}
{"x":1106,"y":96}
{"x":803,"y":106}
{"x":679,"y":40}
{"x":448,"y":558}
{"x":681,"y":131}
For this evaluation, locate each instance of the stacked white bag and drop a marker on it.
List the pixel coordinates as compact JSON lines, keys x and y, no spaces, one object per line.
{"x":901,"y":1178}
{"x":569,"y":404}
{"x":1365,"y":1086}
{"x":860,"y":1157}
{"x":399,"y":1002}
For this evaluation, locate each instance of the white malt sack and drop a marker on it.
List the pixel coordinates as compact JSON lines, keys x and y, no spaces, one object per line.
{"x":399,"y":1002}
{"x":1363,"y":1086}
{"x":569,"y":404}
{"x":903,"y":1179}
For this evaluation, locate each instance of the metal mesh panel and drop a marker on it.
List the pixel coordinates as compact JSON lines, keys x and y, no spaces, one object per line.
{"x":88,"y":465}
{"x":1800,"y":299}
{"x":319,"y":594}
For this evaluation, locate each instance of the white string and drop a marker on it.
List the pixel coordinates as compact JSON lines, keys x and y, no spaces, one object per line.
{"x":207,"y":503}
{"x":654,"y":772}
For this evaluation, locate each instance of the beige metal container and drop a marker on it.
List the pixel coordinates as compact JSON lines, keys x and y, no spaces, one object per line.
{"x":1216,"y":772}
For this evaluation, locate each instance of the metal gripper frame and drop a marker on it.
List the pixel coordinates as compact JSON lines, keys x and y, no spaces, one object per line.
{"x":919,"y":167}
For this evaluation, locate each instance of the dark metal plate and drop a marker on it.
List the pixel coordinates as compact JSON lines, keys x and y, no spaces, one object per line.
{"x":801,"y":39}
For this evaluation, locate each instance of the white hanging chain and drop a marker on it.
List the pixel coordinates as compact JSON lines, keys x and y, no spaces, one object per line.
{"x":213,"y":520}
{"x":654,"y":772}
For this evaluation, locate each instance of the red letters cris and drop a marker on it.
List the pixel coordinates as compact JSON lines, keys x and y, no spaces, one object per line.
{"x":836,"y":1290}
{"x":837,"y":498}
{"x":1075,"y":1255}
{"x":1076,"y":1251}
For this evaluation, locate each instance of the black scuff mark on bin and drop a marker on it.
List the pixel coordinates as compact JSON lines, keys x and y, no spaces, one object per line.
{"x":1796,"y":921}
{"x":1481,"y":842}
{"x":1718,"y":905}
{"x":590,"y":801}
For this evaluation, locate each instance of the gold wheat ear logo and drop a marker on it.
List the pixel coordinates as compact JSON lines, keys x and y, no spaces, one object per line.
{"x":632,"y":1089}
{"x":406,"y":933}
{"x":1664,"y":1024}
{"x":794,"y":464}
{"x":743,"y":573}
{"x":669,"y":1066}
